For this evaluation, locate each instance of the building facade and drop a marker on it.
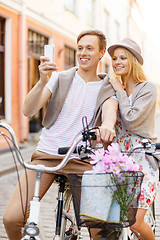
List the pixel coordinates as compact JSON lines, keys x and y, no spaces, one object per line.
{"x":26,"y":26}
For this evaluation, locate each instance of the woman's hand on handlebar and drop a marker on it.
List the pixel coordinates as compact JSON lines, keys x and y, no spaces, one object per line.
{"x":105,"y":133}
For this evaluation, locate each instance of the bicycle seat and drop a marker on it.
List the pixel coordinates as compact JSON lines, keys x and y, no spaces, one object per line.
{"x":61,"y":179}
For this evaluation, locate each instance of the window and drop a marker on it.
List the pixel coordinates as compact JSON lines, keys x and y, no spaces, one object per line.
{"x":2,"y":80}
{"x":36,"y":43}
{"x":69,"y":57}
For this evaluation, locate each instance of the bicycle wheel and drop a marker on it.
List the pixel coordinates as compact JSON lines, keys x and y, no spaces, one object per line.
{"x":69,"y":229}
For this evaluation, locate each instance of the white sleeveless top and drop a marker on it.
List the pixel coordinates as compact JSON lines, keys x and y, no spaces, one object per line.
{"x":80,"y":102}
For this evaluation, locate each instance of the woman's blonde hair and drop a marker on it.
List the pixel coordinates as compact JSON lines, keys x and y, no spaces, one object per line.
{"x":135,"y":68}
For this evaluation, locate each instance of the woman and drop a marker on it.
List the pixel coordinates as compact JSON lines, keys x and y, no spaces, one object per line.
{"x":135,"y":121}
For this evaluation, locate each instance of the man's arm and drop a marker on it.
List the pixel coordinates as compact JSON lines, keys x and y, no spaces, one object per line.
{"x":109,"y":116}
{"x":39,"y":94}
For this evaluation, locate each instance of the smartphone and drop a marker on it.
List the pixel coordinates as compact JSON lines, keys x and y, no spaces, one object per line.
{"x":49,"y":52}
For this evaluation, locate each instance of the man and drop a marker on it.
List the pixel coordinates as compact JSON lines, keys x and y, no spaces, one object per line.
{"x":72,"y":94}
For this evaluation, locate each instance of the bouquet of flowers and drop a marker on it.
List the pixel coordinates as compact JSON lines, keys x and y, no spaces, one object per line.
{"x":122,"y":171}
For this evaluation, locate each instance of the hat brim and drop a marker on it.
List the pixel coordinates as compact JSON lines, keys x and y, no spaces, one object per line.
{"x":113,"y":47}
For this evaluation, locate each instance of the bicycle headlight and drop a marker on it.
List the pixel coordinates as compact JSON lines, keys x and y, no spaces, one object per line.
{"x":31,"y":230}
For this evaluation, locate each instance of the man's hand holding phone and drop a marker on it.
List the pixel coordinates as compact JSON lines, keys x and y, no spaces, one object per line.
{"x":47,"y":65}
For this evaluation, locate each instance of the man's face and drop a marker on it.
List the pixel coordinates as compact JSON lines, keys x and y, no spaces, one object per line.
{"x":88,"y":52}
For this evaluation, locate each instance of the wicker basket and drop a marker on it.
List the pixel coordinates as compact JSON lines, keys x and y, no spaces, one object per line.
{"x":105,"y":200}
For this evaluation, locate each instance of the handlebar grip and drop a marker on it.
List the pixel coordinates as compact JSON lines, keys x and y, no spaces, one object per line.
{"x":157,"y":145}
{"x":64,"y":150}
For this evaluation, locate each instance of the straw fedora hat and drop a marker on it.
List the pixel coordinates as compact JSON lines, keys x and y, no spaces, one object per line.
{"x":130,"y":45}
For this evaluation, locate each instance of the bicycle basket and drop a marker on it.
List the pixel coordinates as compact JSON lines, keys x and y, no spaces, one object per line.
{"x":105,"y":200}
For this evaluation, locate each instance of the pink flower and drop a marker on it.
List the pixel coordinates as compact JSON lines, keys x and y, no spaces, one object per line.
{"x":114,"y":169}
{"x":97,"y":156}
{"x":99,"y":167}
{"x":133,"y":167}
{"x":113,"y":148}
{"x":112,"y":160}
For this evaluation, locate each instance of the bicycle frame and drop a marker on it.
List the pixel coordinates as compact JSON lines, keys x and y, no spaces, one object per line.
{"x":124,"y":234}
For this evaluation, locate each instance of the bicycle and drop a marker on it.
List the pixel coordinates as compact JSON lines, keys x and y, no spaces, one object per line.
{"x":64,"y":217}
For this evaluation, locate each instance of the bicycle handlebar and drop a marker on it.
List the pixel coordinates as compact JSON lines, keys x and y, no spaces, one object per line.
{"x":149,"y":148}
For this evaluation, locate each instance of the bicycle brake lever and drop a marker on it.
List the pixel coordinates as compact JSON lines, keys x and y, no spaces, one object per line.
{"x":84,"y":152}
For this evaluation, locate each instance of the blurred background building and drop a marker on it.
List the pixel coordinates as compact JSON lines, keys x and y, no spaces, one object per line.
{"x":27,"y":25}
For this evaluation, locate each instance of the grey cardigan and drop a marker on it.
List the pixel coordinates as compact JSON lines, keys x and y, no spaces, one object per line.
{"x":140,"y":117}
{"x":60,"y":92}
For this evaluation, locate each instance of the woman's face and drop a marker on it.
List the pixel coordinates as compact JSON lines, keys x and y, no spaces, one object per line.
{"x":120,"y":62}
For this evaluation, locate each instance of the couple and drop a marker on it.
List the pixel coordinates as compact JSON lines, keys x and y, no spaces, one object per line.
{"x":123,"y":108}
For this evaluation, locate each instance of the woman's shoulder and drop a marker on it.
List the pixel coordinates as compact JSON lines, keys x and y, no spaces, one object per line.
{"x":151,"y":84}
{"x":147,"y":86}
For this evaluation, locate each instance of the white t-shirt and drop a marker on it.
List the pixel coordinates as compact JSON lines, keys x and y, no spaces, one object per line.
{"x":80,"y":102}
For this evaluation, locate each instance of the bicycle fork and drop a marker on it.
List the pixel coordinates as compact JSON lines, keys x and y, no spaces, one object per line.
{"x":31,"y":230}
{"x":124,"y":234}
